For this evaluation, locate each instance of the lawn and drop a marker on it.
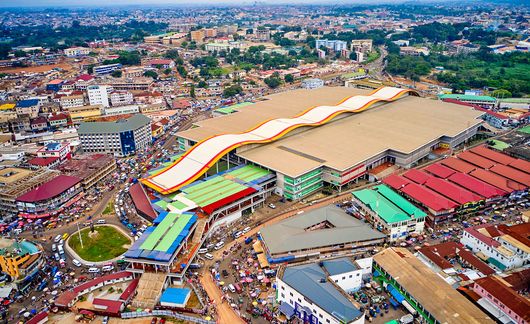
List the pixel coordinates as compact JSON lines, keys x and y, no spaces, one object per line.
{"x":108,"y":244}
{"x":109,"y":209}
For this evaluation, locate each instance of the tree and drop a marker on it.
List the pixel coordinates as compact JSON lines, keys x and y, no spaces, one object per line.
{"x":232,"y":91}
{"x":167,"y":71}
{"x":192,"y":91}
{"x":90,"y":69}
{"x":172,"y":54}
{"x":353,"y":56}
{"x":289,"y":78}
{"x":116,"y":74}
{"x":151,"y":74}
{"x":273,"y":82}
{"x":182,"y":71}
{"x":501,"y":93}
{"x":202,"y":84}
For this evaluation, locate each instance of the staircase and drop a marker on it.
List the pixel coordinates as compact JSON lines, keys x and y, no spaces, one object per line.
{"x":149,"y":290}
{"x":199,"y":230}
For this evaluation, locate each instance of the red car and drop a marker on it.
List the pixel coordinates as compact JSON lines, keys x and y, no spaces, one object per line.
{"x":153,"y":321}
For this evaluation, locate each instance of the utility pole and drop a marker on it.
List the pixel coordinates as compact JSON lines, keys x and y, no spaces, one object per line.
{"x":80,"y":238}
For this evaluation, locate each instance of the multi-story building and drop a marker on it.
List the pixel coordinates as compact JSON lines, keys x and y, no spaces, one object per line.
{"x":317,"y":292}
{"x":106,"y":69}
{"x":90,"y":168}
{"x":49,"y":197}
{"x":55,"y":150}
{"x":99,"y":95}
{"x":505,"y":247}
{"x":28,"y":107}
{"x":121,"y":138}
{"x":262,"y":34}
{"x":121,"y":110}
{"x":162,"y":63}
{"x":121,"y":98}
{"x":72,"y":101}
{"x":20,"y":259}
{"x":15,"y":182}
{"x":312,"y":83}
{"x":197,"y":35}
{"x":361,"y":45}
{"x":503,"y":296}
{"x":76,"y":51}
{"x":137,"y":84}
{"x":390,"y":212}
{"x":210,"y":32}
{"x":335,"y":45}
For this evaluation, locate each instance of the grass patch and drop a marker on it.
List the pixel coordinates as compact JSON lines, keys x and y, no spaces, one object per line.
{"x":108,"y":244}
{"x":109,"y":209}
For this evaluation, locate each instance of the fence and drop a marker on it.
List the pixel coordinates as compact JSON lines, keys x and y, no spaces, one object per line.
{"x":167,"y":313}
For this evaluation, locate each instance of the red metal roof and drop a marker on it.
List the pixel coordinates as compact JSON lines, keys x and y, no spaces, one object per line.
{"x":515,"y":302}
{"x":512,"y":174}
{"x":111,"y":306}
{"x":439,"y":170}
{"x":43,"y":161}
{"x":497,"y":180}
{"x":458,"y":165}
{"x":473,"y":184}
{"x":492,"y":155}
{"x":227,"y":200}
{"x":65,"y":298}
{"x":452,"y":191}
{"x":417,"y":176}
{"x":476,"y":159}
{"x":96,"y":281}
{"x":85,"y":77}
{"x":50,"y":189}
{"x":428,"y":197}
{"x":483,"y":238}
{"x":141,"y":202}
{"x":521,"y":165}
{"x":396,"y":181}
{"x":131,"y":288}
{"x":37,"y":318}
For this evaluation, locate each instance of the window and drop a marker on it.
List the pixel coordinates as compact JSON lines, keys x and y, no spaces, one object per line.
{"x":283,"y":296}
{"x":299,"y":300}
{"x":291,"y":294}
{"x":327,"y":320}
{"x":351,"y":276}
{"x":320,"y":315}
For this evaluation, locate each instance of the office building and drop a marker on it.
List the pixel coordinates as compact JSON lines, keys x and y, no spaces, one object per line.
{"x":335,"y":45}
{"x":99,"y":95}
{"x":106,"y":69}
{"x":121,"y":138}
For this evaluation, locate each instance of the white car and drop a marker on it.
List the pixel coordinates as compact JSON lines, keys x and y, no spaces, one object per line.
{"x":272,"y":206}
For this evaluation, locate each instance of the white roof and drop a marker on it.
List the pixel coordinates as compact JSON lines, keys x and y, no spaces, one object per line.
{"x":206,"y":153}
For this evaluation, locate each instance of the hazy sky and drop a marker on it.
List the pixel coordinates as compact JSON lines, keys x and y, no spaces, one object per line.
{"x":72,"y":3}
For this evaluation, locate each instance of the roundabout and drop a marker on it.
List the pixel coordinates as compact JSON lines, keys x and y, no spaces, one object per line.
{"x":105,"y":243}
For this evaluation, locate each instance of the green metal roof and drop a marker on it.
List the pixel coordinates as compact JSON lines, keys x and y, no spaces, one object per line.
{"x":499,"y":145}
{"x":525,"y":129}
{"x":400,"y":201}
{"x":233,"y":108}
{"x":381,"y":206}
{"x":515,"y":100}
{"x":388,"y":204}
{"x":466,"y":97}
{"x":122,"y":125}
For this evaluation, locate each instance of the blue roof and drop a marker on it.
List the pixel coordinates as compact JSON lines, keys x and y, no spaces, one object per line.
{"x":339,"y":266}
{"x":27,"y":103}
{"x":175,"y":295}
{"x":306,"y":280}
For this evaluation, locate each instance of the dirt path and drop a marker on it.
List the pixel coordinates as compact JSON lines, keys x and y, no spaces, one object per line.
{"x":225,"y":313}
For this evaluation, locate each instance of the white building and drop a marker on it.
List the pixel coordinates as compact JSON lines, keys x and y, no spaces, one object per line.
{"x":389,"y":212}
{"x":55,"y":149}
{"x":312,"y":83}
{"x":316,"y":292}
{"x":72,"y":101}
{"x":121,"y":138}
{"x":121,"y":110}
{"x":501,"y":246}
{"x":121,"y":98}
{"x":336,"y":45}
{"x":76,"y":51}
{"x":99,"y":95}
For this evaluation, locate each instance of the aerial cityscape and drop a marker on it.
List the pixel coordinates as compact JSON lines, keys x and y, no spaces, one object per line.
{"x":343,"y":162}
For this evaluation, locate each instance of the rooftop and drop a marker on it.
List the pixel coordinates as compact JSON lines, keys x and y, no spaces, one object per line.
{"x":299,"y":151}
{"x":326,"y":226}
{"x":428,"y":289}
{"x":132,"y":123}
{"x":307,"y":280}
{"x":50,"y":189}
{"x":388,"y":204}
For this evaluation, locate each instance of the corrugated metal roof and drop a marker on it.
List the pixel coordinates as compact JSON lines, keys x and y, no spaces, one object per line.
{"x":123,"y":125}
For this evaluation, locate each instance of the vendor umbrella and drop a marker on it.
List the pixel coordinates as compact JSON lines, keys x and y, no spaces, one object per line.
{"x":222,"y":283}
{"x":255,"y":303}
